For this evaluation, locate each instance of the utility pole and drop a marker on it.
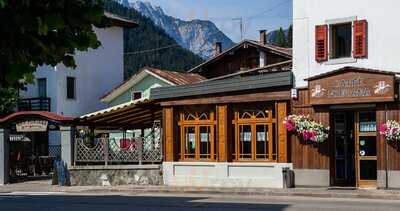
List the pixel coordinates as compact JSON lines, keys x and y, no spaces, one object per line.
{"x":240,"y":19}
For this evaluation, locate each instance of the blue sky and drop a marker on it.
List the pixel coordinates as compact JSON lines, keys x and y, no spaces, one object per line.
{"x":257,"y":14}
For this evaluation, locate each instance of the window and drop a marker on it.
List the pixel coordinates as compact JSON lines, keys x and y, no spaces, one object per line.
{"x":136,"y":95}
{"x":42,"y":87}
{"x":347,"y":40}
{"x":197,"y":136}
{"x":71,"y":88}
{"x":254,"y":133}
{"x":340,"y":42}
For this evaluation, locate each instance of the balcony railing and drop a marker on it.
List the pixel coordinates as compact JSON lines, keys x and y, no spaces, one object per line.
{"x":34,"y":104}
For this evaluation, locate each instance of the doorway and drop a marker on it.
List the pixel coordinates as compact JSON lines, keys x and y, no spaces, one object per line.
{"x":355,"y":152}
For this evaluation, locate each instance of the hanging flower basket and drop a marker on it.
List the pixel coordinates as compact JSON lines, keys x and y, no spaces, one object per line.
{"x":307,"y":128}
{"x":390,"y":130}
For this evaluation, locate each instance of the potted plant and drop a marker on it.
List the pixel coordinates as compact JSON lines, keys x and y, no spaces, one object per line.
{"x":306,"y":127}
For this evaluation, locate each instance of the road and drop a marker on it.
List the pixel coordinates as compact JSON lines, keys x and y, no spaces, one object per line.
{"x":171,"y":202}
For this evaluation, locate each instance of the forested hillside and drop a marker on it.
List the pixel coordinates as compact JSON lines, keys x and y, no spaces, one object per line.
{"x":147,"y":36}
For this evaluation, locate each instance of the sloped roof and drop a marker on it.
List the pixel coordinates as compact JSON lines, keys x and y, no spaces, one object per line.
{"x":346,"y":68}
{"x":286,"y":52}
{"x":169,"y":77}
{"x":119,"y":21}
{"x":178,"y":78}
{"x":44,"y":114}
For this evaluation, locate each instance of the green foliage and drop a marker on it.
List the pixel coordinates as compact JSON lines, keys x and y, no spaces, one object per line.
{"x":281,"y":38}
{"x":45,"y":32}
{"x":290,"y":37}
{"x":8,"y":100}
{"x":149,"y":36}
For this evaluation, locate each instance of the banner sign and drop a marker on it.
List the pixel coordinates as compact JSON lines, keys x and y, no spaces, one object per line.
{"x":352,"y":87}
{"x":32,"y":126}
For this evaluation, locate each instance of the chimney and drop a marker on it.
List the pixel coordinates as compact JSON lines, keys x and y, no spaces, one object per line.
{"x":263,"y":37}
{"x":217,"y":48}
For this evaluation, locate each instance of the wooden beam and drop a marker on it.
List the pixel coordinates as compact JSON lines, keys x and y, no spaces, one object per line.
{"x":282,"y":133}
{"x":222,"y":125}
{"x":168,"y":118}
{"x":123,"y":116}
{"x":254,"y":97}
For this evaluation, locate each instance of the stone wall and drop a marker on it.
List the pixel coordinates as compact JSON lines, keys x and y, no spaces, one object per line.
{"x":116,"y":175}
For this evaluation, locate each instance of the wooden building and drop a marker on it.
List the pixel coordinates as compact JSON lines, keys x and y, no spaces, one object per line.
{"x":353,"y":102}
{"x":225,"y":130}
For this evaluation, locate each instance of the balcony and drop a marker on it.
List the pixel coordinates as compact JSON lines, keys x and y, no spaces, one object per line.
{"x":34,"y":104}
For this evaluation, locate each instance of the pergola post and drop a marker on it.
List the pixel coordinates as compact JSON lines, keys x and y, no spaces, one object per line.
{"x":67,"y":137}
{"x":4,"y":156}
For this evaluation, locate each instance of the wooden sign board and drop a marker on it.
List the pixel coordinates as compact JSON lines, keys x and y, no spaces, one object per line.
{"x":32,"y":126}
{"x":352,"y":87}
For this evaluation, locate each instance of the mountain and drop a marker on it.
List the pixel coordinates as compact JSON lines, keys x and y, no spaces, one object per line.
{"x":197,"y":36}
{"x":149,"y":45}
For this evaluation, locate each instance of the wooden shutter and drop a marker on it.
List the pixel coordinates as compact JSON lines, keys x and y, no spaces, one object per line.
{"x":321,"y":43}
{"x":360,"y":39}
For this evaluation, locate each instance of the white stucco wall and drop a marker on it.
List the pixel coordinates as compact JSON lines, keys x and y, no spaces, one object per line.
{"x":96,"y":73}
{"x":383,"y":34}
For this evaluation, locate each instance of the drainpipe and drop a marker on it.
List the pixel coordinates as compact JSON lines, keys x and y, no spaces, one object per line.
{"x":386,"y":154}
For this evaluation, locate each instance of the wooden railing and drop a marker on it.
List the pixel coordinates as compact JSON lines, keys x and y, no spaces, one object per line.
{"x":35,"y":104}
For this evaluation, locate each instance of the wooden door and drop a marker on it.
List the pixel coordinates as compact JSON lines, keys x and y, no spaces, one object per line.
{"x":365,"y":149}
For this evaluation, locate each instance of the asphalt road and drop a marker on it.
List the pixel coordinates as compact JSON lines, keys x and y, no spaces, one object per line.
{"x":172,"y":202}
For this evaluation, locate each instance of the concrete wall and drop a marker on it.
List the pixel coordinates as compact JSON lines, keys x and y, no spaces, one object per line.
{"x":115,"y":175}
{"x":97,"y":72}
{"x":216,"y":174}
{"x":393,"y":179}
{"x":382,"y":17}
{"x":311,"y":177}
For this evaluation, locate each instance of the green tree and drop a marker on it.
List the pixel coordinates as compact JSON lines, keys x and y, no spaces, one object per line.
{"x":281,"y":38}
{"x":8,"y":100}
{"x":45,"y":32}
{"x":290,"y":37}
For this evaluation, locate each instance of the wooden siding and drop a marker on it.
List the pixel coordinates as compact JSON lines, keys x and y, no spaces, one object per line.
{"x":282,"y":132}
{"x":391,"y":112}
{"x":317,"y":156}
{"x":308,"y":155}
{"x":222,"y":131}
{"x":246,"y":57}
{"x":168,"y":118}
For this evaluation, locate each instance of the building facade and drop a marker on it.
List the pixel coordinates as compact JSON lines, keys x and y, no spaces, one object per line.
{"x":345,"y":69}
{"x":227,"y":131}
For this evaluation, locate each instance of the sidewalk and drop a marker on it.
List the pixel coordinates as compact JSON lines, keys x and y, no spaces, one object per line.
{"x":44,"y":186}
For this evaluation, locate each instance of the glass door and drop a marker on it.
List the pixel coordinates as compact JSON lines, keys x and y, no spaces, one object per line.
{"x":366,"y":155}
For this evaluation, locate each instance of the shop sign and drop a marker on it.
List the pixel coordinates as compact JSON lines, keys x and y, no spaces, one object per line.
{"x":32,"y":126}
{"x":352,"y":87}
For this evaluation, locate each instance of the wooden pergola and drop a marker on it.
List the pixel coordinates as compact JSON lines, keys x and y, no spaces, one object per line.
{"x":131,"y":115}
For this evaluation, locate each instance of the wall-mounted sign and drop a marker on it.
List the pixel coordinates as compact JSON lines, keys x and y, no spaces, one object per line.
{"x":32,"y":126}
{"x":351,"y":87}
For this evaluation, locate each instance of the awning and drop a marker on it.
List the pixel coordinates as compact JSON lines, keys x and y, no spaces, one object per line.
{"x":131,"y":115}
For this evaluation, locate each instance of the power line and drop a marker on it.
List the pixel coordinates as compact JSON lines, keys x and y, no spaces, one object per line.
{"x":151,"y":50}
{"x":269,"y":9}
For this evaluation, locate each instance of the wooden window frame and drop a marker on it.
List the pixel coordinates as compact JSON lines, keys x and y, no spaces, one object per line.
{"x":197,"y":123}
{"x":253,"y":122}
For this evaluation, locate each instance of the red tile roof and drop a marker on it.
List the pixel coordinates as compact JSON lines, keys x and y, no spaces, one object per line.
{"x":177,"y":78}
{"x":45,"y":114}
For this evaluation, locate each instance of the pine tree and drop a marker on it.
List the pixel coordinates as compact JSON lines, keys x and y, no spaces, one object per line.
{"x":149,"y":36}
{"x":281,"y":38}
{"x":290,"y":37}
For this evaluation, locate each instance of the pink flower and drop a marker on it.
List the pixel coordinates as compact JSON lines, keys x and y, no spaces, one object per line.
{"x":383,"y":128}
{"x":307,"y":135}
{"x":289,"y":125}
